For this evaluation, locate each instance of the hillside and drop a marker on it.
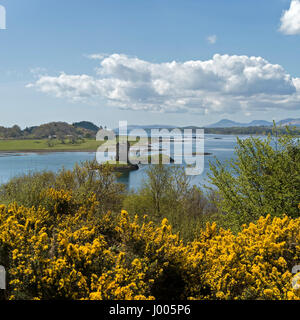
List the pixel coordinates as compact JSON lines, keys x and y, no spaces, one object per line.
{"x":59,"y":130}
{"x":86,"y":125}
{"x":290,"y":122}
{"x":225,"y":123}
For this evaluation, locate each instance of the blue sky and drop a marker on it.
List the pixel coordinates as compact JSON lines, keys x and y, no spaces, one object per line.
{"x":46,"y":38}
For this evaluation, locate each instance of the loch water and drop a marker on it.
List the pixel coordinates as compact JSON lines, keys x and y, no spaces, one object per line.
{"x":221,"y":147}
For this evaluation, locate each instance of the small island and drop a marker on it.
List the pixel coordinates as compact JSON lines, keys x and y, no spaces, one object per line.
{"x":118,"y":165}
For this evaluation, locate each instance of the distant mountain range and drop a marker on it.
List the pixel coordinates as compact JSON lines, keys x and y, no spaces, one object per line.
{"x":290,"y":122}
{"x":225,"y":123}
{"x":147,"y":128}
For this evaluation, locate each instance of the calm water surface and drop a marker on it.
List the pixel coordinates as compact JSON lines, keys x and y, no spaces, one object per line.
{"x":220,"y":146}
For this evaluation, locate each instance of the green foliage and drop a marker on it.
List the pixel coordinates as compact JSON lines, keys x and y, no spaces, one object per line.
{"x":264,"y":179}
{"x":167,"y":192}
{"x":82,"y":181}
{"x":92,"y":178}
{"x":58,"y":129}
{"x":86,"y":125}
{"x":26,"y":189}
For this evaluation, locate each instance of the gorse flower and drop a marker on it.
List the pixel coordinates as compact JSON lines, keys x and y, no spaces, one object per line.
{"x":68,"y":251}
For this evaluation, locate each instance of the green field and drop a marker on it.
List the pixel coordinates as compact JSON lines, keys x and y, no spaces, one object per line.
{"x":43,"y":145}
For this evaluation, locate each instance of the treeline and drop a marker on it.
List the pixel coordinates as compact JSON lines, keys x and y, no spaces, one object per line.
{"x":58,"y":130}
{"x":255,"y":130}
{"x":252,"y":130}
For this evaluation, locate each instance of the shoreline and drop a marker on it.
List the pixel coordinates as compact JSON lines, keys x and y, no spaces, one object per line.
{"x":46,"y":151}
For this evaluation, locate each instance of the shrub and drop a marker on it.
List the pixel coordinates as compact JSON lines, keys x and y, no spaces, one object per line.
{"x":70,"y":252}
{"x":82,"y":181}
{"x":167,"y":193}
{"x":264,"y":179}
{"x":26,"y":189}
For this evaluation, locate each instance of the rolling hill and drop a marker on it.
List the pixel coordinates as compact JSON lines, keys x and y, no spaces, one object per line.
{"x":225,"y":123}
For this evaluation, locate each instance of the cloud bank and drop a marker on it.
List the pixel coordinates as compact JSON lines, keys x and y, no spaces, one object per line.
{"x":290,"y":20}
{"x":224,"y":84}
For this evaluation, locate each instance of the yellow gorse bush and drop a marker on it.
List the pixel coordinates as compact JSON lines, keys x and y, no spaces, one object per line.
{"x":255,"y":264}
{"x":68,"y":251}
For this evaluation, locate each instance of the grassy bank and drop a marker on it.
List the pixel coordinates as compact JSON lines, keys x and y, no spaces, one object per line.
{"x":55,"y":145}
{"x":44,"y":145}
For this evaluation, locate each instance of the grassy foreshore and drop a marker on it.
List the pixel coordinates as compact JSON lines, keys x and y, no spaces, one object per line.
{"x":55,"y":145}
{"x":44,"y":146}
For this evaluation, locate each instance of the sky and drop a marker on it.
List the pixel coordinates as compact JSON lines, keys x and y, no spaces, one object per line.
{"x":190,"y":62}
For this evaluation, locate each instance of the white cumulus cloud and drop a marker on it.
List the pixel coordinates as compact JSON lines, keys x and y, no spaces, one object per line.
{"x":220,"y":85}
{"x":290,"y":20}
